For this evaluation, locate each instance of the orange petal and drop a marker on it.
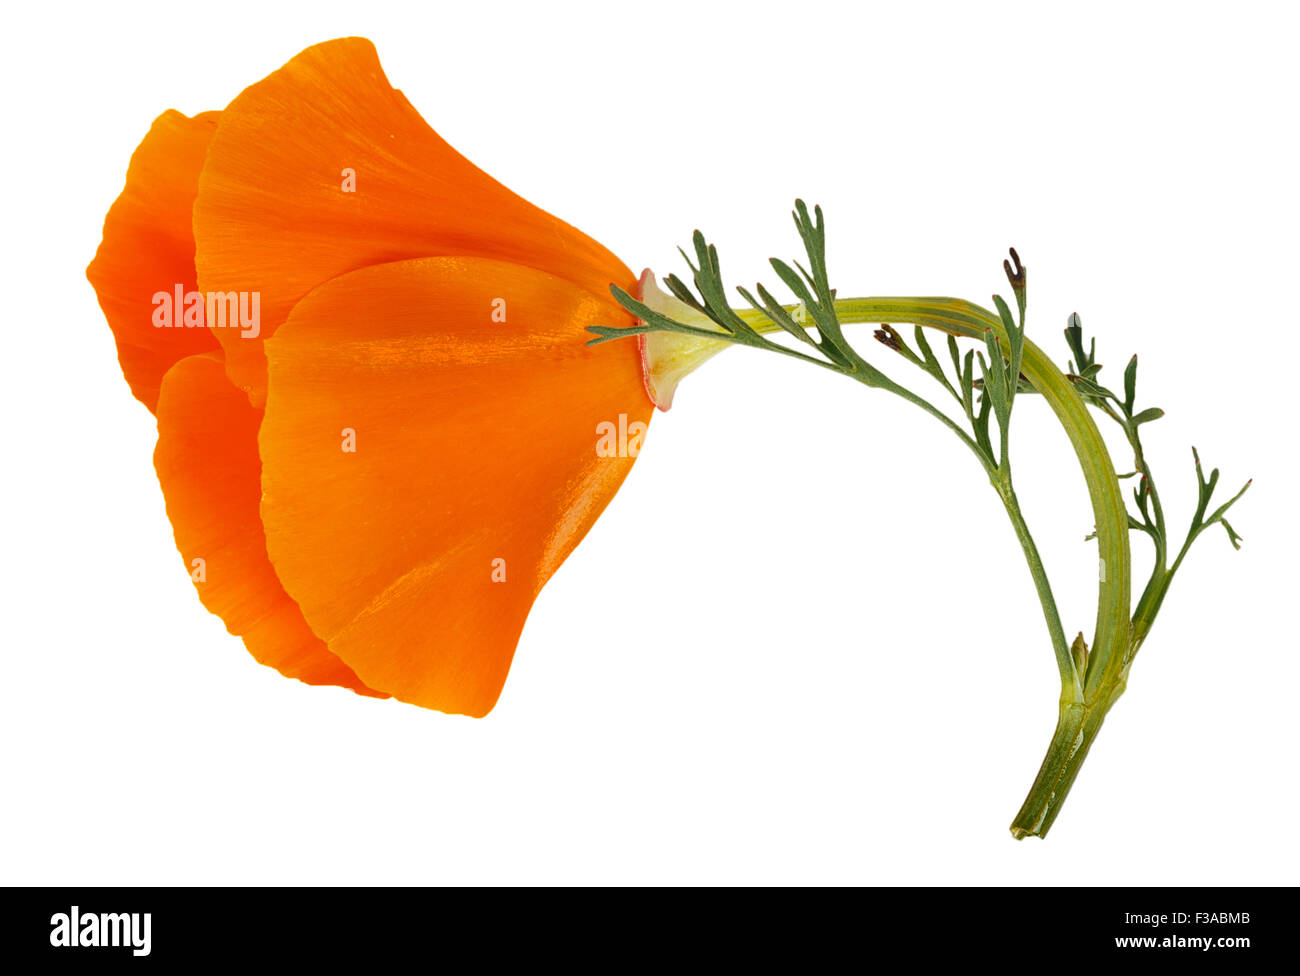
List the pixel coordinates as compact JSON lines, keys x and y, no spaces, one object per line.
{"x":273,"y":216}
{"x":148,"y":247}
{"x":475,"y":454}
{"x":207,"y":462}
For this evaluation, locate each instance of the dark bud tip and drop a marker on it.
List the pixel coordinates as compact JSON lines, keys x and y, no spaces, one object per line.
{"x":886,"y":336}
{"x":1015,"y":270}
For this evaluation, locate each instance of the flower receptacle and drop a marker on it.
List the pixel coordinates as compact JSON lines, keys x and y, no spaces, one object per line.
{"x":668,"y":357}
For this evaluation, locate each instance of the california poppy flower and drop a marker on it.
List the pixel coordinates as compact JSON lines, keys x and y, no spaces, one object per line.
{"x":380,"y":426}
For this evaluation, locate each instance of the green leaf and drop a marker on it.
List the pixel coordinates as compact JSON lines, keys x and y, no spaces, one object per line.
{"x":681,"y":292}
{"x":981,"y":427}
{"x":994,"y":380}
{"x":654,"y":322}
{"x":1232,"y":534}
{"x":1015,"y":347}
{"x":1130,"y":384}
{"x":793,"y":282}
{"x":1092,"y":389}
{"x":968,"y":384}
{"x":1018,"y":278}
{"x":814,"y":241}
{"x":1074,"y":339}
{"x":1005,"y":314}
{"x":642,"y":311}
{"x":777,"y":314}
{"x":1218,"y":512}
{"x":927,"y":353}
{"x":1140,"y":494}
{"x":1148,"y":415}
{"x":806,"y":276}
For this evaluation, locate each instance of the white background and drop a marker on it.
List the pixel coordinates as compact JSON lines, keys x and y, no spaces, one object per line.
{"x":801,"y":645}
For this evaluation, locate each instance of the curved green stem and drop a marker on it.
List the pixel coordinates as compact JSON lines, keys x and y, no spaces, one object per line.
{"x":1000,"y":477}
{"x":1088,"y":687}
{"x":1082,"y":708}
{"x":1110,"y":640}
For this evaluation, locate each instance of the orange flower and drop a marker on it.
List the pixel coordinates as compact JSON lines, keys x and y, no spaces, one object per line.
{"x":380,"y":429}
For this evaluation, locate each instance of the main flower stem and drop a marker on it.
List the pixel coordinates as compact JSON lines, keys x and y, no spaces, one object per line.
{"x":1091,"y":680}
{"x":1076,"y":729}
{"x":1086,"y":692}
